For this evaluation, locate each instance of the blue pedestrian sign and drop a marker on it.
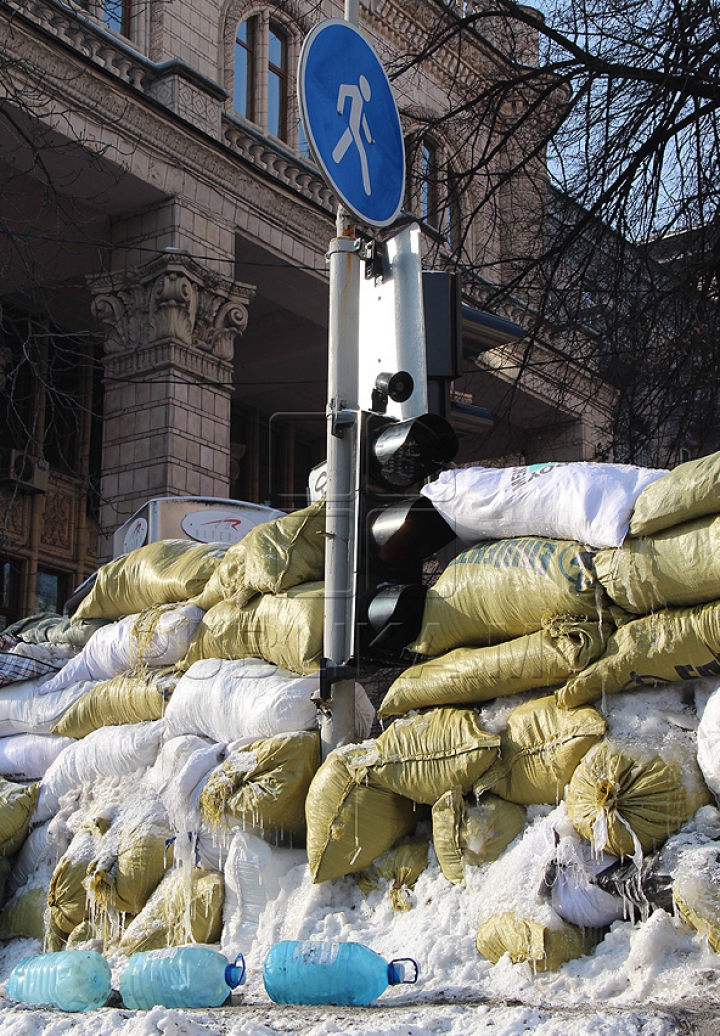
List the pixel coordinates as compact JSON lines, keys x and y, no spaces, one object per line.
{"x":351,"y":121}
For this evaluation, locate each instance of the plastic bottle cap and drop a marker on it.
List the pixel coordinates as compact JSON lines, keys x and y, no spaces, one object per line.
{"x":235,"y":972}
{"x":398,"y":972}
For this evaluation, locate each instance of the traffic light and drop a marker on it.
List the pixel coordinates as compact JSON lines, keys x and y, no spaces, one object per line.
{"x":397,"y":529}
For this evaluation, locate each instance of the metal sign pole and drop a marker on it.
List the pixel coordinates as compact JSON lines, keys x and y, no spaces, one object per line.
{"x":337,"y":693}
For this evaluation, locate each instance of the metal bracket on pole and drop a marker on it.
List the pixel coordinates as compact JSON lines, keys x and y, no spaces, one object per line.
{"x":331,"y":673}
{"x":341,"y":418}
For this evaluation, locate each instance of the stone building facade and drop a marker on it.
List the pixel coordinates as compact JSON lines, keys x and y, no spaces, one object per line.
{"x":165,"y":231}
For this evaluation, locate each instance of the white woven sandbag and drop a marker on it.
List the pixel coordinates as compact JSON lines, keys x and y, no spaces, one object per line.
{"x":26,"y":707}
{"x":253,"y":871}
{"x":574,"y":895}
{"x":708,"y":743}
{"x":37,"y":851}
{"x":179,"y":774}
{"x":230,"y":699}
{"x":26,"y":757}
{"x":107,"y":752}
{"x":157,"y":637}
{"x":587,"y":502}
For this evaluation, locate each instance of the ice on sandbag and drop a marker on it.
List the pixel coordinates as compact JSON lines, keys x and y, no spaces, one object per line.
{"x":570,"y":883}
{"x":397,"y":871}
{"x":708,"y":739}
{"x":264,"y":786}
{"x":469,"y":834}
{"x":186,"y":907}
{"x":254,"y":871}
{"x":584,"y":501}
{"x":108,"y":752}
{"x":156,"y":637}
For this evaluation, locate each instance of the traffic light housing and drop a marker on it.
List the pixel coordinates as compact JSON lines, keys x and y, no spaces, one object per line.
{"x":397,"y":528}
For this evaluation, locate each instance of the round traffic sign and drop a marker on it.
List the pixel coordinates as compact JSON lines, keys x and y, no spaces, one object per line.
{"x":351,"y":121}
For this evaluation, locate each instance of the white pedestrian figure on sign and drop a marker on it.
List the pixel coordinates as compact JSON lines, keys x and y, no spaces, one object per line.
{"x":359,"y":94}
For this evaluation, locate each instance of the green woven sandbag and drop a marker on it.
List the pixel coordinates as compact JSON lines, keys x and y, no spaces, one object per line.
{"x":24,"y":916}
{"x":665,"y":647}
{"x":470,"y":675}
{"x":424,"y":755}
{"x":540,"y":748}
{"x":544,"y":948}
{"x":399,"y":868}
{"x":186,"y":907}
{"x":264,"y":785}
{"x":165,"y":572}
{"x":17,"y":805}
{"x":679,"y":566}
{"x":505,"y":589}
{"x":623,"y":802}
{"x":131,"y":697}
{"x":272,"y":557}
{"x":470,"y":835}
{"x":349,"y":824}
{"x":285,"y":629}
{"x":689,"y":491}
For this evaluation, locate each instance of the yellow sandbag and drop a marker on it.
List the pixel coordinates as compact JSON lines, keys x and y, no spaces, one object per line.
{"x":24,"y":917}
{"x":67,"y":894}
{"x":17,"y":805}
{"x":689,"y":491}
{"x":165,"y":572}
{"x":349,"y":824}
{"x":264,"y":785}
{"x":424,"y":755}
{"x":676,"y":567}
{"x":186,"y":907}
{"x":497,"y":591}
{"x":470,"y":835}
{"x":129,"y":865}
{"x":540,"y":748}
{"x":272,"y":557}
{"x":470,"y":675}
{"x":622,"y":802}
{"x":544,"y":948}
{"x":285,"y":629}
{"x":665,"y":647}
{"x":400,"y":868}
{"x":132,"y":697}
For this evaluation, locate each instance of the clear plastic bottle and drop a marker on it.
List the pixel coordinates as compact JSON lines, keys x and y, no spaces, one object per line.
{"x":345,"y":973}
{"x":73,"y":980}
{"x":184,"y":976}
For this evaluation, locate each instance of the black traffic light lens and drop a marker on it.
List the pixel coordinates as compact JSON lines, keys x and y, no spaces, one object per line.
{"x":405,"y":452}
{"x":392,"y":618}
{"x":408,"y":530}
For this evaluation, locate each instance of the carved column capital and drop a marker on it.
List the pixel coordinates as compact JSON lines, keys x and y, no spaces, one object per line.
{"x":170,"y":299}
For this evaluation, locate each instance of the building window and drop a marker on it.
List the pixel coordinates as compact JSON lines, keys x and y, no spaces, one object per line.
{"x":50,"y":591}
{"x":261,"y":70}
{"x":9,"y":591}
{"x":433,"y":190}
{"x":116,"y":14}
{"x":243,"y":90}
{"x":277,"y":82}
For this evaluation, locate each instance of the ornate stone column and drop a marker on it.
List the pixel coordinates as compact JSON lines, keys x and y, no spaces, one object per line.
{"x":171,"y":326}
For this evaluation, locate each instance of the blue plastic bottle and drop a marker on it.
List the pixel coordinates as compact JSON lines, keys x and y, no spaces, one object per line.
{"x":184,"y":976}
{"x":346,"y":973}
{"x":73,"y":980}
